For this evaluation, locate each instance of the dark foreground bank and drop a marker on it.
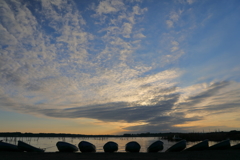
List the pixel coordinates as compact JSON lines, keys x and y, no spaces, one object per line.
{"x":193,"y":155}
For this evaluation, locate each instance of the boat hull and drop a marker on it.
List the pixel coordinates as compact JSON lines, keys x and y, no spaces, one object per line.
{"x":110,"y":147}
{"x":179,"y":146}
{"x":199,"y":147}
{"x":155,"y":147}
{"x":132,"y":147}
{"x":28,"y":148}
{"x":8,"y":147}
{"x":221,"y":145}
{"x":66,"y":147}
{"x":85,"y":146}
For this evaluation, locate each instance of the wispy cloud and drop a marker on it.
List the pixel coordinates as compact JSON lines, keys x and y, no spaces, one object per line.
{"x":108,"y":6}
{"x":169,"y":23}
{"x":190,"y":1}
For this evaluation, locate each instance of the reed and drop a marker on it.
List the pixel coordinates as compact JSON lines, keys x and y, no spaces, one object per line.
{"x":212,"y":136}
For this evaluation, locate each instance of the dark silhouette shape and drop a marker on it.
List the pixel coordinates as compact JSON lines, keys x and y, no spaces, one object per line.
{"x":179,"y":146}
{"x":28,"y":148}
{"x":199,"y":147}
{"x":110,"y":147}
{"x":132,"y":147}
{"x":155,"y":147}
{"x":85,"y":146}
{"x":221,"y":145}
{"x":66,"y":147}
{"x":8,"y":147}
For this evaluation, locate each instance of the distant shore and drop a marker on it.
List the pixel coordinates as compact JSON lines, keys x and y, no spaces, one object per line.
{"x":194,"y":136}
{"x":193,"y":155}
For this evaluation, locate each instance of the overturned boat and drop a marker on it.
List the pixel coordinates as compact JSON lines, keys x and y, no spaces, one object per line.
{"x":110,"y":147}
{"x":155,"y":147}
{"x":179,"y":146}
{"x":199,"y":146}
{"x":85,"y":146}
{"x":221,"y":145}
{"x":28,"y":148}
{"x":132,"y":147}
{"x":66,"y":147}
{"x":8,"y":147}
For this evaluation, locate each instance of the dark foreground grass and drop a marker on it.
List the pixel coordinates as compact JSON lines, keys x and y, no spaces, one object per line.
{"x":193,"y":155}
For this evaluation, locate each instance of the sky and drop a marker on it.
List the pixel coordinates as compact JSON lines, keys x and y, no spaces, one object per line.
{"x":119,"y":66}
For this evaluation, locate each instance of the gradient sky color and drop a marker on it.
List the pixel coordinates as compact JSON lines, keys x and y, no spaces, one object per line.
{"x":119,"y":66}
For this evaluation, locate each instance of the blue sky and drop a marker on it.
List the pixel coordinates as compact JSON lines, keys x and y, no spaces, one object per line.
{"x":119,"y":66}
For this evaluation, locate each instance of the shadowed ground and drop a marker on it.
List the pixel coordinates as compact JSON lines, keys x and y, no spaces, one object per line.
{"x":193,"y":155}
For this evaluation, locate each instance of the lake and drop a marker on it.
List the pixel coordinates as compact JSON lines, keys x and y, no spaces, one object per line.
{"x":50,"y":143}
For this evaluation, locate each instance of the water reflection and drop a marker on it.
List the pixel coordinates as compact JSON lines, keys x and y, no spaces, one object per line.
{"x":50,"y":143}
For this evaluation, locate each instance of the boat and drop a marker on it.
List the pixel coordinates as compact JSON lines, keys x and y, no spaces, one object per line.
{"x":179,"y":146}
{"x":85,"y":146}
{"x":155,"y":147}
{"x":8,"y":147}
{"x":110,"y":147}
{"x":28,"y":148}
{"x":237,"y":146}
{"x":176,"y":138}
{"x":132,"y":147}
{"x":199,"y":146}
{"x":221,"y":145}
{"x":66,"y":147}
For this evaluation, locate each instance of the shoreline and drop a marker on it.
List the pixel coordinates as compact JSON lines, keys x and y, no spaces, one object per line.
{"x":187,"y":155}
{"x":190,"y":136}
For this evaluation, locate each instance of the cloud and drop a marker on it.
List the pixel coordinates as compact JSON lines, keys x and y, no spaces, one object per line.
{"x":108,"y":6}
{"x":174,"y":16}
{"x":162,"y":124}
{"x":210,"y":92}
{"x":175,"y":43}
{"x":186,"y":1}
{"x":190,"y":1}
{"x":138,"y":11}
{"x":169,"y":23}
{"x":193,"y":113}
{"x":216,"y":100}
{"x":120,"y":111}
{"x":139,"y":35}
{"x":102,"y":63}
{"x":127,"y":29}
{"x":175,"y":48}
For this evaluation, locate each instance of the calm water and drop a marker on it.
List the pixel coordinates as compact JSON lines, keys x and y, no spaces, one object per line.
{"x":50,"y":143}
